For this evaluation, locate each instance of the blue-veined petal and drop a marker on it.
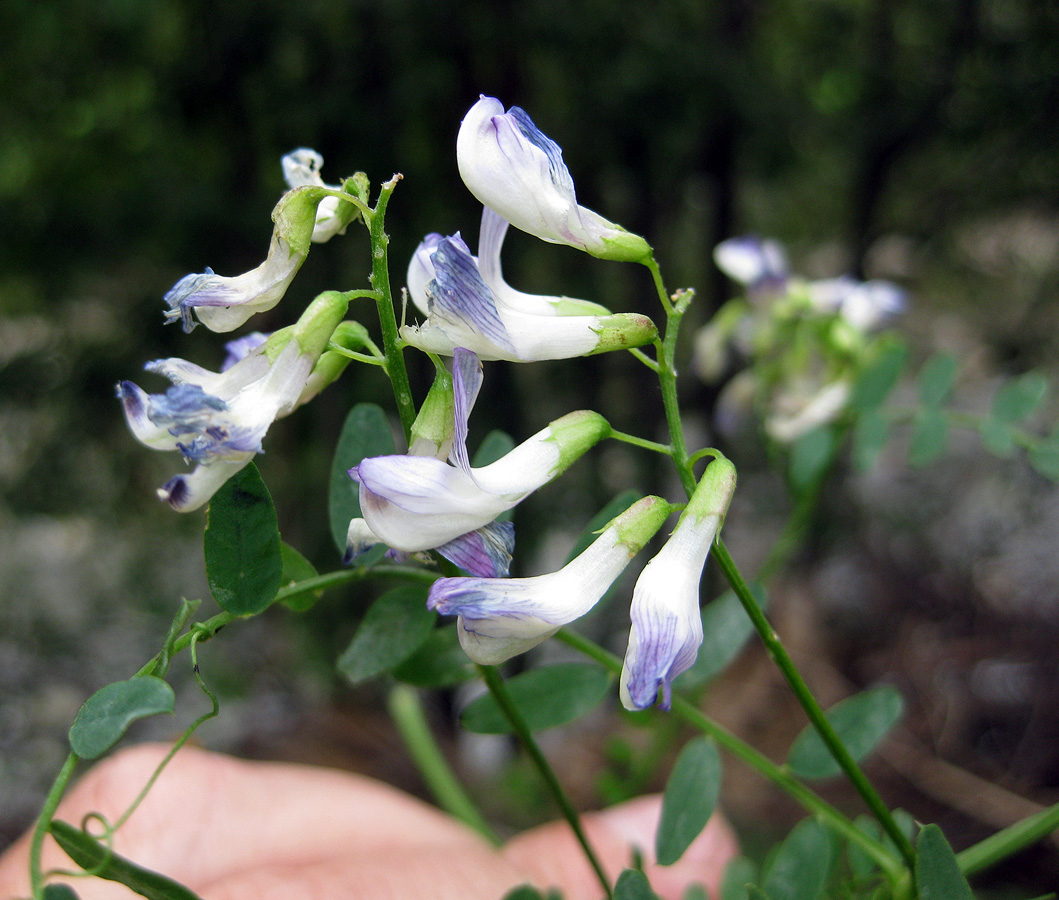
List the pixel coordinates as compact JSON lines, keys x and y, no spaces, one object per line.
{"x":516,"y":170}
{"x":666,"y":623}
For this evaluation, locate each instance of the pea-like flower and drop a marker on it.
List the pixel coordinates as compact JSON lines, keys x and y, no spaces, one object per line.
{"x":468,"y":304}
{"x":223,"y":303}
{"x":218,"y":420}
{"x":666,"y":622}
{"x":502,"y":617}
{"x":415,"y":503}
{"x":516,"y":170}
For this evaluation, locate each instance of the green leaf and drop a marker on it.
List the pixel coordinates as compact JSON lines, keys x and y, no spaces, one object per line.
{"x":90,"y":854}
{"x":59,"y":892}
{"x":739,"y":874}
{"x":725,"y":630}
{"x":393,"y":628}
{"x":938,"y":875}
{"x":242,"y":545}
{"x":1020,"y":398}
{"x":861,"y":865}
{"x":1045,"y":457}
{"x":875,"y":382}
{"x":930,"y":432}
{"x":861,"y":722}
{"x":936,"y":379}
{"x":689,"y":799}
{"x":439,"y":661}
{"x":297,"y":568}
{"x":997,"y":437}
{"x":870,"y":435}
{"x":695,"y":891}
{"x":546,"y":697}
{"x":105,"y":716}
{"x":632,"y":884}
{"x":366,"y":432}
{"x":800,"y":867}
{"x":811,"y":456}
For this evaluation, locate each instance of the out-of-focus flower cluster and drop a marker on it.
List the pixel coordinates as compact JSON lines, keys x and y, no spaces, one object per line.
{"x":789,"y":348}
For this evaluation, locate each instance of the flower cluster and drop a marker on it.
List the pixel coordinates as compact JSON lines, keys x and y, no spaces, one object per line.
{"x":805,"y":339}
{"x":431,"y":498}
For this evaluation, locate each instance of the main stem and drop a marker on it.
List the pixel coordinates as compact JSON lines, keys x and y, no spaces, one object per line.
{"x":380,"y":281}
{"x":500,"y":694}
{"x":808,"y":702}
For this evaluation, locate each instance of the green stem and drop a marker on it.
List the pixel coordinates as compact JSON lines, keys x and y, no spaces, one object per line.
{"x":406,"y":709}
{"x":808,"y":702}
{"x":493,"y":681}
{"x":1012,"y":839}
{"x":40,"y":830}
{"x":641,"y":442}
{"x":752,"y":758}
{"x":666,"y":352}
{"x":380,"y":281}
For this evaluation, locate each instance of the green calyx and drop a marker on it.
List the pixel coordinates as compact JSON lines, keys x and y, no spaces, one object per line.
{"x":575,"y":433}
{"x":622,"y":246}
{"x":623,"y":331}
{"x":640,"y":522}
{"x":317,"y":324}
{"x":713,"y":493}
{"x":295,"y":216}
{"x":433,"y":428}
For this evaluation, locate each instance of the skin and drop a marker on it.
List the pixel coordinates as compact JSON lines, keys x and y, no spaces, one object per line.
{"x":236,"y":830}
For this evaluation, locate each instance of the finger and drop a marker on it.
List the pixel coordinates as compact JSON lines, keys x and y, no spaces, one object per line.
{"x":210,"y":815}
{"x":552,"y":857}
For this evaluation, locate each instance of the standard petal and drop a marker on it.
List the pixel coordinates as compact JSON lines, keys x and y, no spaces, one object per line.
{"x":516,"y":170}
{"x":460,"y":300}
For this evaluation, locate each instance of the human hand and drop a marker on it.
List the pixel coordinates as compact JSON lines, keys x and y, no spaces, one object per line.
{"x":236,"y":830}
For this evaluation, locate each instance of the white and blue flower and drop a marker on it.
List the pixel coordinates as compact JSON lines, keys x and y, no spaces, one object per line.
{"x":666,"y":622}
{"x":517,"y":171}
{"x":468,"y":304}
{"x":501,"y":617}
{"x":416,"y":503}
{"x":218,"y":420}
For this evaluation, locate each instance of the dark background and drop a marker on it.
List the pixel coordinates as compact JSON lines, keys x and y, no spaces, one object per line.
{"x":908,"y":139}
